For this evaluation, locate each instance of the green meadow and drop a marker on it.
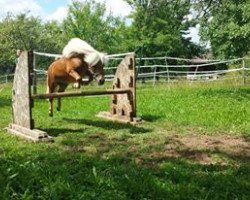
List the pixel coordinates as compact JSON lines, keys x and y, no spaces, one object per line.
{"x":193,"y":143}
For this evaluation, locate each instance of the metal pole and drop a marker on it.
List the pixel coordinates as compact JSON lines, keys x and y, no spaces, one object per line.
{"x":34,"y":84}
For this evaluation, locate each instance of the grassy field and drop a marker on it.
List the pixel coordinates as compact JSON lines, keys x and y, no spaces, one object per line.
{"x":193,"y":144}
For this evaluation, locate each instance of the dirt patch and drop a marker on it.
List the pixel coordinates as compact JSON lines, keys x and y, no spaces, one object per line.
{"x":206,"y":149}
{"x":223,"y":143}
{"x":151,"y":151}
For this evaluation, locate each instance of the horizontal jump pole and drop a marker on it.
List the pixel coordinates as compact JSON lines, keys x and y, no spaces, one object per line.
{"x":82,"y":93}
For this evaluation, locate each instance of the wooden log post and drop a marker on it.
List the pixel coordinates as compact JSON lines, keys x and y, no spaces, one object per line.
{"x":123,"y":106}
{"x":22,"y":122}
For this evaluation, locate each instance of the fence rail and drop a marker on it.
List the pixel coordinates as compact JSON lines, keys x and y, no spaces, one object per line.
{"x":163,"y":70}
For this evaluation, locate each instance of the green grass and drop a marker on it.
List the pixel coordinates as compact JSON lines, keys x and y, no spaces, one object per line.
{"x":211,"y":109}
{"x":193,"y":144}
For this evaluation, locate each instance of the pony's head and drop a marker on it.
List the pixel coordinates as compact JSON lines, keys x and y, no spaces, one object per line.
{"x":96,"y":62}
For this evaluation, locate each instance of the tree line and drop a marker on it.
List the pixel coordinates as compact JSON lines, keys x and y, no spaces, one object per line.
{"x":157,"y":28}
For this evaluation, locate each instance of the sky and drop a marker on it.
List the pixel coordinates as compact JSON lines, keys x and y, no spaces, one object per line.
{"x":57,"y":10}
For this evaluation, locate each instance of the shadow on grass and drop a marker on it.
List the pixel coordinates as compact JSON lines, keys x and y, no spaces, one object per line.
{"x":246,"y":137}
{"x":238,"y":93}
{"x":109,"y":125}
{"x":4,"y":101}
{"x":78,"y":176}
{"x":54,"y":132}
{"x":205,"y":155}
{"x":151,"y":118}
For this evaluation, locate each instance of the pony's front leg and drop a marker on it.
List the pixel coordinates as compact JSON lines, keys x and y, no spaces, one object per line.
{"x":59,"y":104}
{"x":51,"y":107}
{"x":62,"y":88}
{"x":77,"y":77}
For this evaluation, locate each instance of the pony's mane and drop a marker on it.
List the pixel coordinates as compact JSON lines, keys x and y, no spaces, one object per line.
{"x":78,"y":46}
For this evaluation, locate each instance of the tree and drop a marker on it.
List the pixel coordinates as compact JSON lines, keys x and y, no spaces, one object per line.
{"x":16,"y":33}
{"x":226,"y":24}
{"x":26,"y":33}
{"x":160,"y":26}
{"x":88,"y":20}
{"x":51,"y":38}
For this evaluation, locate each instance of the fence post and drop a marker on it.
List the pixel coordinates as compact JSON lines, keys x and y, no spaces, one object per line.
{"x":167,"y":70}
{"x":34,"y":80}
{"x":194,"y":76}
{"x":244,"y":71}
{"x":155,"y":68}
{"x":139,"y":67}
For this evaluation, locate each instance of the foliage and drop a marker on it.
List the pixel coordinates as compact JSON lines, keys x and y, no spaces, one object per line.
{"x":226,"y":24}
{"x":26,"y":33}
{"x":160,"y":27}
{"x":17,"y":33}
{"x":157,"y":28}
{"x":88,"y":21}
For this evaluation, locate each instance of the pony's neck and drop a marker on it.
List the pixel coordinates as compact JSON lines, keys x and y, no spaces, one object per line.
{"x":77,"y":47}
{"x":93,"y":58}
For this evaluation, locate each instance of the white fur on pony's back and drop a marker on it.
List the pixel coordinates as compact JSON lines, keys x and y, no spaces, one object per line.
{"x":78,"y":46}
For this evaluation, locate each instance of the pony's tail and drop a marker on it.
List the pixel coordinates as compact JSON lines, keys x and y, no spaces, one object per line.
{"x":48,"y":80}
{"x":47,"y":84}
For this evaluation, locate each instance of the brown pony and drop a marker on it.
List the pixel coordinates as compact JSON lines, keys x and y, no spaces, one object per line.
{"x":78,"y":60}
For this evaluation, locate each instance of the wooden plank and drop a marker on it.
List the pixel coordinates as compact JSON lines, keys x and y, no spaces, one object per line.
{"x":125,"y":78}
{"x":21,"y":93}
{"x":123,"y":107}
{"x":30,"y":134}
{"x":82,"y":93}
{"x":119,"y":118}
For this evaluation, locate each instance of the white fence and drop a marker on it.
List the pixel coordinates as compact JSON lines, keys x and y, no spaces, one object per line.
{"x":166,"y":71}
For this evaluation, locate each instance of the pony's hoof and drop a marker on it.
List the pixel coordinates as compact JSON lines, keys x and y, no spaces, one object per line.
{"x":51,"y":114}
{"x":77,"y":85}
{"x":58,"y":109}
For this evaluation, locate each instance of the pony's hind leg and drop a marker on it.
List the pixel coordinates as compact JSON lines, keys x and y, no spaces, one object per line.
{"x":50,"y":89}
{"x":62,"y":88}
